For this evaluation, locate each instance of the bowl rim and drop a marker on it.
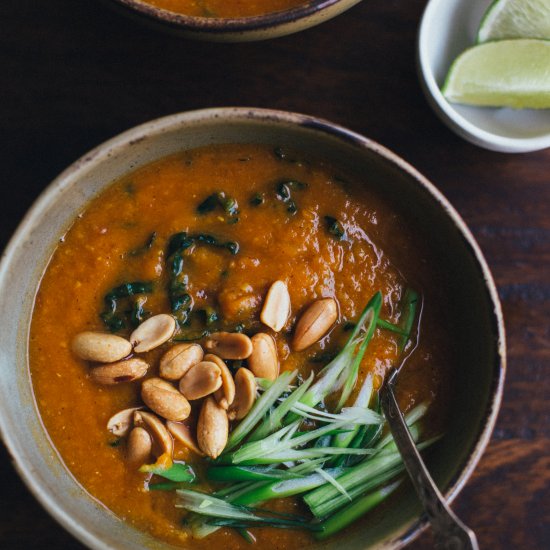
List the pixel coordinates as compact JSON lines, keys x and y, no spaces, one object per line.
{"x":327,"y":129}
{"x":218,"y":25}
{"x":447,"y":113}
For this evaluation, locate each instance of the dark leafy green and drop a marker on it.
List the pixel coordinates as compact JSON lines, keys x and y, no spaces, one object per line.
{"x":112,"y":316}
{"x":128,"y":289}
{"x":335,"y":228}
{"x":145,"y":247}
{"x":209,"y":315}
{"x":180,"y":300}
{"x":208,"y":205}
{"x":138,"y":313}
{"x":284,"y":188}
{"x":191,"y":336}
{"x":228,"y":204}
{"x":257,"y":199}
{"x":283,"y":191}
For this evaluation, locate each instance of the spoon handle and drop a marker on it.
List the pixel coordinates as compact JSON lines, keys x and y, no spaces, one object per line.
{"x":449,"y":531}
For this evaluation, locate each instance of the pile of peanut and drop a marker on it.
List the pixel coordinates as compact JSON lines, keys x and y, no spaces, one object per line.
{"x":191,"y":372}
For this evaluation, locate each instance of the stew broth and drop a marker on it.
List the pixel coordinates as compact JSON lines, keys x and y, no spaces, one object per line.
{"x":225,"y":9}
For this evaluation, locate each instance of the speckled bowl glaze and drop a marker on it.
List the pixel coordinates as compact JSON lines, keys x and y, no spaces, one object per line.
{"x":477,"y":384}
{"x":242,"y":29}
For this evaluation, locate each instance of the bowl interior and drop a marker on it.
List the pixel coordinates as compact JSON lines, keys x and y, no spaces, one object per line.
{"x":448,"y":28}
{"x":477,"y":381}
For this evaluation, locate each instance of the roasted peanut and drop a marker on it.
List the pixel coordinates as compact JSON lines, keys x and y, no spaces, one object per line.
{"x":225,"y":395}
{"x":212,"y":428}
{"x":100,"y":347}
{"x":201,"y":380}
{"x":179,"y":359}
{"x":183,"y":434}
{"x":314,"y":323}
{"x":245,"y":394}
{"x":276,"y":308}
{"x":163,"y":444}
{"x":263,"y":362}
{"x":165,"y":400}
{"x":121,"y":423}
{"x":116,"y":373}
{"x":153,"y":332}
{"x":229,"y":345}
{"x":139,"y":446}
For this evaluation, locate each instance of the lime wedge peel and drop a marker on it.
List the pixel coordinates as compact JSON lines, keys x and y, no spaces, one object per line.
{"x":506,"y":73}
{"x":506,"y":19}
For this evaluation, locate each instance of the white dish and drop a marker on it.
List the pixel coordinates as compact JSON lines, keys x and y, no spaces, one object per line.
{"x":447,"y":28}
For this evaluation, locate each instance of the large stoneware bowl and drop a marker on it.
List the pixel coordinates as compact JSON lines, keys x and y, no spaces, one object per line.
{"x":477,"y":382}
{"x":238,"y":29}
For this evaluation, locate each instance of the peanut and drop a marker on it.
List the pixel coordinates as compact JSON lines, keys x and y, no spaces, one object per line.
{"x":183,"y":434}
{"x":179,"y":359}
{"x":165,"y":400}
{"x":138,"y":449}
{"x":201,"y":380}
{"x":163,"y":444}
{"x":121,"y":423}
{"x":100,"y":347}
{"x":314,"y":323}
{"x":229,"y":345}
{"x":212,"y":428}
{"x":263,"y":362}
{"x":245,"y":394}
{"x":276,"y":308}
{"x":153,"y":332}
{"x":117,"y":373}
{"x":226,"y":394}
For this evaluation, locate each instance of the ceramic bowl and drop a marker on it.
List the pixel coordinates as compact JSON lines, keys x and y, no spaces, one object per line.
{"x":477,"y":384}
{"x":242,"y":29}
{"x":449,"y":27}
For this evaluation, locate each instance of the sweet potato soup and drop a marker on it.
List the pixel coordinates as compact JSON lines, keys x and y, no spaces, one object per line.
{"x":225,"y":8}
{"x":209,"y":338}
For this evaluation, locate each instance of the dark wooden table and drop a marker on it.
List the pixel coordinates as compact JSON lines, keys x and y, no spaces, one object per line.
{"x":74,"y":74}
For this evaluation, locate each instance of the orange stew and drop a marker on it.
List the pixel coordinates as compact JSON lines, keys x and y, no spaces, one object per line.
{"x":225,"y":9}
{"x":289,"y":235}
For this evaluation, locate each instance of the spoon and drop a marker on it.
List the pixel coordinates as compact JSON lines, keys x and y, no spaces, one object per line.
{"x":450,"y":533}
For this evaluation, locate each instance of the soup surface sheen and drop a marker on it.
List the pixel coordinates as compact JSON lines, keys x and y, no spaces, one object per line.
{"x":225,"y":8}
{"x":278,"y":240}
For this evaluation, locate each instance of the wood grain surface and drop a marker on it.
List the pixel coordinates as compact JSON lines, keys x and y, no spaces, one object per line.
{"x":74,"y":73}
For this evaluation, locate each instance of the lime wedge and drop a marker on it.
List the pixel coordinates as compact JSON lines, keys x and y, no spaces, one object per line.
{"x":515,"y":19}
{"x":506,"y":73}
